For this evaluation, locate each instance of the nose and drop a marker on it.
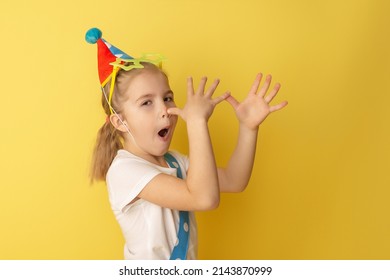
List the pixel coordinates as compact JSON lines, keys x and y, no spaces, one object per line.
{"x":164,"y":111}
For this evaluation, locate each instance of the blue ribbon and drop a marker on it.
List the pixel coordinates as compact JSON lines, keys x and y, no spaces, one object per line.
{"x":180,"y":250}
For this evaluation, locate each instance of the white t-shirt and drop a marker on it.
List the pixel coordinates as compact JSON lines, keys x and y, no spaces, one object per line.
{"x":150,"y":231}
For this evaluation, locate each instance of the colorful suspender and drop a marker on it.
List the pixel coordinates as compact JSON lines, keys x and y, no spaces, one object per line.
{"x":180,"y":250}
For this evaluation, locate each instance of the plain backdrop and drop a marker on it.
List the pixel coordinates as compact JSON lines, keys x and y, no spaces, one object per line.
{"x":321,"y":183}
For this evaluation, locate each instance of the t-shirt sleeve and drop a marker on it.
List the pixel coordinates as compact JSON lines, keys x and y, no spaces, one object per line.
{"x":126,"y":178}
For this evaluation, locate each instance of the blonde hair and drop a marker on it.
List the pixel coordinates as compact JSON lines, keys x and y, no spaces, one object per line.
{"x":109,"y":140}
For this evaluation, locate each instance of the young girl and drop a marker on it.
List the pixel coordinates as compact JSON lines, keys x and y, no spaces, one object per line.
{"x":153,"y":191}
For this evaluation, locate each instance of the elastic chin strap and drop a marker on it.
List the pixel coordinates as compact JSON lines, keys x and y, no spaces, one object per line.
{"x":116,"y":114}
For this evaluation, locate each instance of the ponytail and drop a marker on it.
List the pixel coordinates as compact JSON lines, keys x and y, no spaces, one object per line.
{"x":108,"y":143}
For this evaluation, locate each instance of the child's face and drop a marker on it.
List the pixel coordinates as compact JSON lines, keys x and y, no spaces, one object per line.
{"x":145,"y":112}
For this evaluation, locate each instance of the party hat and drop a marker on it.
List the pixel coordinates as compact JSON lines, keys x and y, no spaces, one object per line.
{"x":107,"y":54}
{"x":111,"y":60}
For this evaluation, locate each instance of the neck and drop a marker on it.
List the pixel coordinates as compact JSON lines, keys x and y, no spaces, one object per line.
{"x":155,"y":159}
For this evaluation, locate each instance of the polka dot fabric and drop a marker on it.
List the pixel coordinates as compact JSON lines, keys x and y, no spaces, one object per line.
{"x":180,"y":250}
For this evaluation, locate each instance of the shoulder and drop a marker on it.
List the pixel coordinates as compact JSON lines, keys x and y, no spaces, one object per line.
{"x":125,"y":157}
{"x":127,"y":165}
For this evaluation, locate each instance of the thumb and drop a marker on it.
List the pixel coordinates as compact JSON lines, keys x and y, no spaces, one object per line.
{"x":174,"y":111}
{"x":232,"y":101}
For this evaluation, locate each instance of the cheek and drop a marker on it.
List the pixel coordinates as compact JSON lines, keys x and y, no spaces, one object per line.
{"x":135,"y":123}
{"x":140,"y":125}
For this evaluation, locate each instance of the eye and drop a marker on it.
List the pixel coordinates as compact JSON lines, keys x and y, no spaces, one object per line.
{"x":168,"y":99}
{"x":146,"y":103}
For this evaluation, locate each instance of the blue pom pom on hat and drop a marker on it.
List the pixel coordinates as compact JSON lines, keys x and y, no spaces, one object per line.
{"x":93,"y":35}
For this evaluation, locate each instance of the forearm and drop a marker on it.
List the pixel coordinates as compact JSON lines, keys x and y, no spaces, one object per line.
{"x":236,"y":175}
{"x":202,"y":178}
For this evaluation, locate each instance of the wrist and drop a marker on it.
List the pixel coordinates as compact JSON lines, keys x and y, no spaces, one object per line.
{"x":249,"y":129}
{"x":191,"y":121}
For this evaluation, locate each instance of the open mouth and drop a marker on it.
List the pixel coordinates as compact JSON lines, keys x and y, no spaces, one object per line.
{"x":163,"y":132}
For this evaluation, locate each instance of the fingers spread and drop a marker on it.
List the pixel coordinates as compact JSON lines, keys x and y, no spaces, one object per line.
{"x":273,"y":93}
{"x":221,"y":98}
{"x":232,"y":101}
{"x":278,"y":106}
{"x":256,"y":84}
{"x":190,"y":86}
{"x":212,"y":88}
{"x":265,"y":86}
{"x":202,"y":85}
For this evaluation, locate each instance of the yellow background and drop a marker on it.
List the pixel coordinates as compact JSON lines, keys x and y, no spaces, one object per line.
{"x":321,"y":182}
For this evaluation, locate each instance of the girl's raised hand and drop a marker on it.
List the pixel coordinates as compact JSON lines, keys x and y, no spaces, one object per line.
{"x":252,"y":111}
{"x":200,"y":104}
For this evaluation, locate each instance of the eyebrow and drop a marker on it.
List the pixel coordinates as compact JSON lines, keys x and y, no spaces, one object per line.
{"x":148,"y":95}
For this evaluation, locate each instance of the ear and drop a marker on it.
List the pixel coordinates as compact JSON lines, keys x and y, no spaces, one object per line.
{"x":117,"y":123}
